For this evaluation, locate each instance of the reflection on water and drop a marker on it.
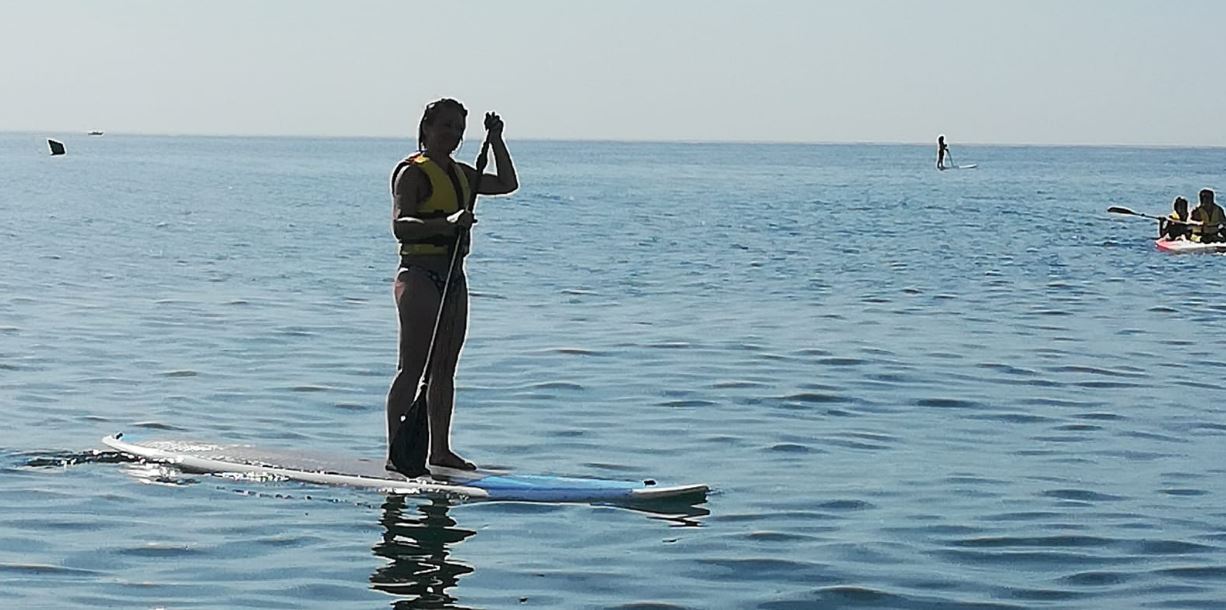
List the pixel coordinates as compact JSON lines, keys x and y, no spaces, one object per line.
{"x":678,"y":513}
{"x":418,"y":540}
{"x":418,"y":546}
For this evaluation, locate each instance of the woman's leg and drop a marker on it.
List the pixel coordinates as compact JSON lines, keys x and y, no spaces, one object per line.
{"x":416,"y":306}
{"x":442,"y":379}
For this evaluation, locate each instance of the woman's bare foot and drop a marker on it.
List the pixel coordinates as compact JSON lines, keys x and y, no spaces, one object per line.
{"x":451,"y":460}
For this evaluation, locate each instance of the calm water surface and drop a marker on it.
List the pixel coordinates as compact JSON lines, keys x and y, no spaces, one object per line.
{"x":910,"y":389}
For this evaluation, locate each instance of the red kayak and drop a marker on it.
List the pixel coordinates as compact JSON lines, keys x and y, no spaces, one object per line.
{"x":1182,"y":246}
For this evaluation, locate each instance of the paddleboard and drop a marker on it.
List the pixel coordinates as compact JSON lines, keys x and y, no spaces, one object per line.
{"x":491,"y":485}
{"x":1181,"y":246}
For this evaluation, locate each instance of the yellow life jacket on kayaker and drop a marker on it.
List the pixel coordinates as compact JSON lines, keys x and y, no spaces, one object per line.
{"x":1211,"y":225}
{"x":1174,"y":226}
{"x":448,"y":193}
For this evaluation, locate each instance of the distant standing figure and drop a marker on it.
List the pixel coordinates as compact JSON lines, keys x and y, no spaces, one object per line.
{"x":1211,"y":217}
{"x":942,"y":152}
{"x":1175,"y":226}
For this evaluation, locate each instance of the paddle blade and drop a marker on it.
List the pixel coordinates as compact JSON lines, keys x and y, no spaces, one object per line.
{"x":1118,"y":210}
{"x":412,"y":441}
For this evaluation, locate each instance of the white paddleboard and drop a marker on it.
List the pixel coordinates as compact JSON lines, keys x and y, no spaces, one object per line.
{"x":970,"y":166}
{"x":211,"y":458}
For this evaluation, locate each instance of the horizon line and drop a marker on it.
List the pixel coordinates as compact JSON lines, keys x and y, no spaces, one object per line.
{"x":42,"y":134}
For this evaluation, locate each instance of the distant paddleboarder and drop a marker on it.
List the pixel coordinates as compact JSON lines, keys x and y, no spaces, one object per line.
{"x":942,"y":152}
{"x":57,"y":147}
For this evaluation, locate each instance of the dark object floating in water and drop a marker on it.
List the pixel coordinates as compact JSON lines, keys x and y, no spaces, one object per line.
{"x":57,"y":148}
{"x":95,"y":133}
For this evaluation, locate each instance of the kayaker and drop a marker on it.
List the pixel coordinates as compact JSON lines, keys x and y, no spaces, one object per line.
{"x":942,"y":152}
{"x":1211,"y":217}
{"x":1175,"y":226}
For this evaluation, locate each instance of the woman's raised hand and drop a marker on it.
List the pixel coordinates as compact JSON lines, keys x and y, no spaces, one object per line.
{"x":493,"y":124}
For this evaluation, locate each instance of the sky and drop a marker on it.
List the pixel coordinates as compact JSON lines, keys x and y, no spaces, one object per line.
{"x":1052,"y":72}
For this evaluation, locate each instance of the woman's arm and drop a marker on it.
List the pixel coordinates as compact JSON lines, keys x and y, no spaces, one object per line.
{"x":505,"y":180}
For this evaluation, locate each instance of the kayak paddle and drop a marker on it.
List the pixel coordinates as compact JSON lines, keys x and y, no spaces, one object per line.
{"x":1118,"y":210}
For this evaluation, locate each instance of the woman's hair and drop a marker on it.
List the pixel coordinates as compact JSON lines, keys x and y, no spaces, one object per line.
{"x":431,"y":113}
{"x":1179,"y":200}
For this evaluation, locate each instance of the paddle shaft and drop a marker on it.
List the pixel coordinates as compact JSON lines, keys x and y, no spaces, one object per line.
{"x":1119,"y":210}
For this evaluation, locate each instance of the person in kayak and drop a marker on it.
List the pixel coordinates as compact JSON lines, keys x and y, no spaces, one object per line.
{"x":1175,"y":226}
{"x":430,"y":192}
{"x":1211,"y":219}
{"x":942,"y":152}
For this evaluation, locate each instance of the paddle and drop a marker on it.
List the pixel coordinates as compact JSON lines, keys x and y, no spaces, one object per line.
{"x":409,"y":447}
{"x":1118,"y":210}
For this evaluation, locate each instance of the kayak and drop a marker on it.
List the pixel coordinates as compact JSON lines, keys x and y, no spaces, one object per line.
{"x":1181,"y":246}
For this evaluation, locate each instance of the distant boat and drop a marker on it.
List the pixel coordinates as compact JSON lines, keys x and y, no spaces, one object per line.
{"x":95,"y":133}
{"x":57,"y":147}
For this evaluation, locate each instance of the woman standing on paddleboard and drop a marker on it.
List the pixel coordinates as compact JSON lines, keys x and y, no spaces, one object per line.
{"x":430,"y":192}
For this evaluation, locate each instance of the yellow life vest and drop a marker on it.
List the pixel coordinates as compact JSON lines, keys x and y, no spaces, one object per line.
{"x":442,"y":202}
{"x":1214,"y":223}
{"x":1174,"y":226}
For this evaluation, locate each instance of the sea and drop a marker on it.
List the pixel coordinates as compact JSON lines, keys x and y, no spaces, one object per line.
{"x":907,"y":388}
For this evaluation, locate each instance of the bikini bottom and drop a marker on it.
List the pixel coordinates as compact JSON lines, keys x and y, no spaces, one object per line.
{"x":436,"y":278}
